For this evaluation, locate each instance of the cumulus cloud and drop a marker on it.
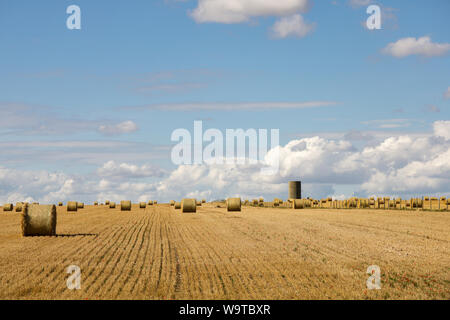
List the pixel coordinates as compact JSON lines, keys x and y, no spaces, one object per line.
{"x":405,"y":165}
{"x":422,"y":46}
{"x":292,"y":26}
{"x":237,"y":11}
{"x":120,"y":128}
{"x":124,"y":170}
{"x":359,"y":3}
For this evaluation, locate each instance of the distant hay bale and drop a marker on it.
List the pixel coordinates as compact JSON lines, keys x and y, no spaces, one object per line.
{"x":150,"y":203}
{"x":95,"y":203}
{"x":112,"y":205}
{"x":199,"y":203}
{"x":142,"y":205}
{"x":8,"y":207}
{"x":275,"y":202}
{"x":172,"y":203}
{"x":107,"y":202}
{"x":80,"y":205}
{"x":203,"y":200}
{"x":261,"y":200}
{"x":39,"y":220}
{"x":155,"y":202}
{"x":255,"y":202}
{"x":125,"y":205}
{"x":60,"y":204}
{"x":177,"y":205}
{"x":188,"y":205}
{"x":19,"y":206}
{"x":72,"y":206}
{"x":234,"y":204}
{"x":298,"y":204}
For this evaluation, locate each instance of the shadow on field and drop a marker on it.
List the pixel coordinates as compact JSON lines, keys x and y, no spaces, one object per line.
{"x":78,"y":235}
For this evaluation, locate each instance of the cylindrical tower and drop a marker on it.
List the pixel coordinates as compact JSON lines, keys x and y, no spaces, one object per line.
{"x":295,"y":189}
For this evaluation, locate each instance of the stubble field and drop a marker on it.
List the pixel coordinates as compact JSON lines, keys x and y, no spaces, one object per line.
{"x":259,"y":253}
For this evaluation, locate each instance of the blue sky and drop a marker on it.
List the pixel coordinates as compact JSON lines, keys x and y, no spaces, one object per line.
{"x":131,"y":60}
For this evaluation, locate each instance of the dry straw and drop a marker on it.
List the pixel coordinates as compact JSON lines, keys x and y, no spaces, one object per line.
{"x":234,"y":204}
{"x":188,"y":205}
{"x":112,"y":205}
{"x":298,"y":204}
{"x":177,"y":205}
{"x":72,"y":206}
{"x":80,"y":205}
{"x":8,"y":207}
{"x":125,"y":205}
{"x":39,"y":220}
{"x":19,"y":206}
{"x":142,"y":205}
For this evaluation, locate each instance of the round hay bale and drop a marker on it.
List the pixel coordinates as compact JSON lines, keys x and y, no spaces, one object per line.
{"x":19,"y":206}
{"x":298,"y":204}
{"x":177,"y":205}
{"x":142,"y":205}
{"x":72,"y":206}
{"x":80,"y":205}
{"x":39,"y":220}
{"x":112,"y":205}
{"x":95,"y":203}
{"x":150,"y":203}
{"x":188,"y":205}
{"x":125,"y":205}
{"x":255,"y":202}
{"x":203,"y":200}
{"x":199,"y":203}
{"x":8,"y":207}
{"x":107,"y":202}
{"x":234,"y":204}
{"x":261,"y":200}
{"x":172,"y":203}
{"x":60,"y":204}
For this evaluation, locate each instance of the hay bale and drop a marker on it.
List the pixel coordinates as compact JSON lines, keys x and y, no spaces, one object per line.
{"x":112,"y":205}
{"x":443,"y":203}
{"x":177,"y":205}
{"x":72,"y":206}
{"x":60,"y":204}
{"x":39,"y":220}
{"x":199,"y":203}
{"x":255,"y":202}
{"x":125,"y":205}
{"x":188,"y":205}
{"x":8,"y":207}
{"x":172,"y":203}
{"x":80,"y":205}
{"x":434,"y":203}
{"x":19,"y":206}
{"x":298,"y":204}
{"x":107,"y":202}
{"x":234,"y":204}
{"x":155,"y":202}
{"x":295,"y":189}
{"x":203,"y":200}
{"x":150,"y":203}
{"x":261,"y":200}
{"x":96,"y":203}
{"x":142,"y":205}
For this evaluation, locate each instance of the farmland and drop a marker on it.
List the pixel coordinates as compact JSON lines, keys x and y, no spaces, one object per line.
{"x":258,"y":253}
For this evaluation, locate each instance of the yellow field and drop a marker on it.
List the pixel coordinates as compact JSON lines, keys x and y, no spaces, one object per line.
{"x":259,"y":253}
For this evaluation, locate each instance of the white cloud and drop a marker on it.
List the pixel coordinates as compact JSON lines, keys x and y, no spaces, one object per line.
{"x":442,"y":129}
{"x":447,"y":93}
{"x":237,"y":11}
{"x":406,"y":165}
{"x":124,"y":170}
{"x":359,"y":3}
{"x":120,"y":128}
{"x":294,"y":26}
{"x":422,"y":46}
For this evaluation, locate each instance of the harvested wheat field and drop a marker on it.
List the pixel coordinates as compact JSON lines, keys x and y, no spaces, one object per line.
{"x":259,"y":253}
